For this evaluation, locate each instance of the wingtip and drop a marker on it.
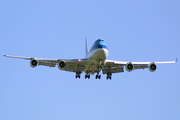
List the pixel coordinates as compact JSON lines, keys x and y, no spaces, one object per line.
{"x":176,"y":60}
{"x":3,"y":55}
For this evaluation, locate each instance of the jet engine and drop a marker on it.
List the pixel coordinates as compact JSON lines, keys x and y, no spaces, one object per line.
{"x":34,"y":63}
{"x":61,"y":64}
{"x":129,"y":67}
{"x":152,"y":67}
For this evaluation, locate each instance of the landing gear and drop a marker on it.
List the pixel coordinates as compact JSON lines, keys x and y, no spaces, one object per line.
{"x":78,"y":75}
{"x":109,"y":76}
{"x":87,"y":76}
{"x":98,"y":76}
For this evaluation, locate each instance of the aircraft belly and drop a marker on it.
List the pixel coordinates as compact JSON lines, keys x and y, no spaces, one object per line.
{"x":91,"y":69}
{"x":97,"y":56}
{"x":100,"y":54}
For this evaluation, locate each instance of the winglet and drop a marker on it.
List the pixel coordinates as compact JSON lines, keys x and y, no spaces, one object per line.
{"x":3,"y":55}
{"x":176,"y":60}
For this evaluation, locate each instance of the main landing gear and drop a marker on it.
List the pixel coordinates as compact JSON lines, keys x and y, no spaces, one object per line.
{"x":78,"y":75}
{"x":87,"y":76}
{"x":98,"y":76}
{"x":109,"y":76}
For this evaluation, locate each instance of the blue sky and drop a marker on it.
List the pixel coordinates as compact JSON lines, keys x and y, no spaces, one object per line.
{"x":133,"y":30}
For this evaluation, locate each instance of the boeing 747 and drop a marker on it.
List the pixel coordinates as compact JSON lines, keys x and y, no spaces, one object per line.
{"x":94,"y":62}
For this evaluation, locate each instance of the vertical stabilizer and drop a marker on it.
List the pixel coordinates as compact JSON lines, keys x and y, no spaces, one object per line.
{"x":86,"y":46}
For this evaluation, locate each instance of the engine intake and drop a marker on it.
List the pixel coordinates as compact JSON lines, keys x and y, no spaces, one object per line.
{"x":129,"y":67}
{"x":34,"y":63}
{"x":152,"y":67}
{"x":61,"y":64}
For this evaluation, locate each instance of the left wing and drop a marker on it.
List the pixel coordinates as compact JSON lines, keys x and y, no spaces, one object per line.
{"x":40,"y":61}
{"x":118,"y":66}
{"x":72,"y":65}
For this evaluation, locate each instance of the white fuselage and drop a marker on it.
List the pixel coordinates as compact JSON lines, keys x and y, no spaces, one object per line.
{"x":96,"y":57}
{"x":99,"y":54}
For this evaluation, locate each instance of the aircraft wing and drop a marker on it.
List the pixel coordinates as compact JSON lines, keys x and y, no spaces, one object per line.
{"x":118,"y":66}
{"x":71,"y":65}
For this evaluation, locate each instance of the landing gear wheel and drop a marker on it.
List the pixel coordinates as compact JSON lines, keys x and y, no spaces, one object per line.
{"x":98,"y":76}
{"x":109,"y":76}
{"x":78,"y":75}
{"x":87,"y":76}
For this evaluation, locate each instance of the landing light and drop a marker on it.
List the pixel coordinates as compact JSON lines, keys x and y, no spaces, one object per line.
{"x":79,"y":60}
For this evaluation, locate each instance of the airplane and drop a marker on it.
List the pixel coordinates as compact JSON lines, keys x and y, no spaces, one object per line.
{"x":95,"y":61}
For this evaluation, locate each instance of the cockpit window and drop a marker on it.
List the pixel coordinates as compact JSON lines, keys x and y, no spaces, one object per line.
{"x":101,"y":40}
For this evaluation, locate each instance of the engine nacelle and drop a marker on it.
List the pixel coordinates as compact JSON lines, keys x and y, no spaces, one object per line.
{"x":34,"y":63}
{"x":152,"y":67}
{"x":61,"y":64}
{"x":129,"y":67}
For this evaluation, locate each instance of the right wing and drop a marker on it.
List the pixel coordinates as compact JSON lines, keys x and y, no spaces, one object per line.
{"x":71,"y":65}
{"x":118,"y":66}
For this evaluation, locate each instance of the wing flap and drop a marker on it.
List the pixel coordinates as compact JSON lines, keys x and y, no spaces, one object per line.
{"x":73,"y":68}
{"x":113,"y":69}
{"x":74,"y":65}
{"x":141,"y":66}
{"x":46,"y":63}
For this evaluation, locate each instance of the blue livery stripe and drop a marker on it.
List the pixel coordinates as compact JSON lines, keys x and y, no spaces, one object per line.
{"x":99,"y":44}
